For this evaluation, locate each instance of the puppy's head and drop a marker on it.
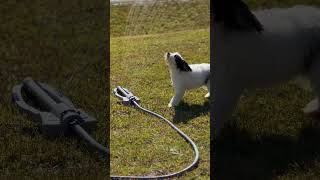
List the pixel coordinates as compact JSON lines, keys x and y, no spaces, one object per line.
{"x":235,"y":15}
{"x":175,"y":60}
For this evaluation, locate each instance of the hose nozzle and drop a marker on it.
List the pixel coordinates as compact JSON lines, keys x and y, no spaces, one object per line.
{"x":125,"y":96}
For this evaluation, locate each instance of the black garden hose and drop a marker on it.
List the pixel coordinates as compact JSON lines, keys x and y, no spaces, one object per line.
{"x":58,"y":115}
{"x":104,"y":150}
{"x":85,"y":136}
{"x":195,"y":162}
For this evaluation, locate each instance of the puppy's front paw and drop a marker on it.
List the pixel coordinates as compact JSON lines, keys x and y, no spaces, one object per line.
{"x":169,"y":105}
{"x":207,"y":95}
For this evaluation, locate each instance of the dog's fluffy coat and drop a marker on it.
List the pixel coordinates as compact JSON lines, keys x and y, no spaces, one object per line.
{"x":185,"y":77}
{"x":260,"y":49}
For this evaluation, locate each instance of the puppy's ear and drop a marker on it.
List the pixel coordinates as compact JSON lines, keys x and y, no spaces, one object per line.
{"x":245,"y":18}
{"x":181,"y":64}
{"x":235,"y":14}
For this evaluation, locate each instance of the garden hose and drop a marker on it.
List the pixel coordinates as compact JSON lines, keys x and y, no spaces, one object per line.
{"x":129,"y":99}
{"x":92,"y":142}
{"x":57,"y":116}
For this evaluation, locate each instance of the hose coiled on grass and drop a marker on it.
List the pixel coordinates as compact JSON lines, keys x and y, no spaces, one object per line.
{"x":82,"y":133}
{"x":182,"y":134}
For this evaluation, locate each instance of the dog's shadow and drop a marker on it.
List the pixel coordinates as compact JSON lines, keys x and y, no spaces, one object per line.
{"x":239,"y":156}
{"x":185,"y":112}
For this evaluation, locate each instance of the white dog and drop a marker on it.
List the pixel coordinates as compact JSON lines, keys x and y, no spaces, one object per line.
{"x":254,"y":50}
{"x":185,"y":77}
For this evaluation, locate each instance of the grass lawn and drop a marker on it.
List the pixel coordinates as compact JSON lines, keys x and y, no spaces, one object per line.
{"x":270,"y":138}
{"x":50,"y":41}
{"x":140,"y":144}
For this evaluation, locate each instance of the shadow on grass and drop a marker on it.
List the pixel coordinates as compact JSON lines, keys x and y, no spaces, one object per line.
{"x":85,"y":148}
{"x":185,"y":112}
{"x":239,"y":156}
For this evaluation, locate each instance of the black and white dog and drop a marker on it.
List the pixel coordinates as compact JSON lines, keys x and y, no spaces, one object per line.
{"x":259,"y":49}
{"x":185,"y":77}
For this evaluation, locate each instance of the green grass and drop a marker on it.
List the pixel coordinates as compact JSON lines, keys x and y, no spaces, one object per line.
{"x":143,"y":145}
{"x":50,"y":41}
{"x":270,"y":137}
{"x":140,"y":144}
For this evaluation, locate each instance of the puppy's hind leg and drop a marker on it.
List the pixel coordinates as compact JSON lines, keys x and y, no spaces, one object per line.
{"x":176,"y":98}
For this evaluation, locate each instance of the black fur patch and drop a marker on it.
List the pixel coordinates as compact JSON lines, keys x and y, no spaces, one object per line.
{"x":182,"y":65}
{"x":235,"y":14}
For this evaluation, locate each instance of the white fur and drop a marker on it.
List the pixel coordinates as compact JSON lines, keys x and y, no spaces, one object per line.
{"x":186,"y":80}
{"x":247,"y":60}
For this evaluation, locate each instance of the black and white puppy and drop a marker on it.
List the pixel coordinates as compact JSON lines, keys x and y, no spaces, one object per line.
{"x":185,"y":77}
{"x":259,"y":49}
